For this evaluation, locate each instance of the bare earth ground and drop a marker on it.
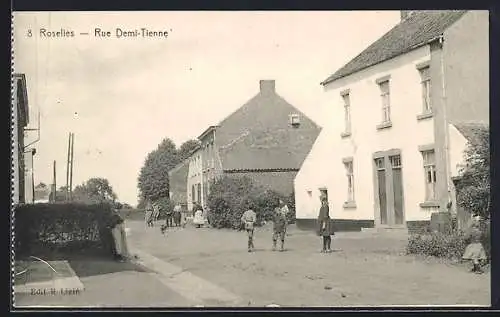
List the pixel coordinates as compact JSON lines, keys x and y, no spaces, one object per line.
{"x":366,"y":269}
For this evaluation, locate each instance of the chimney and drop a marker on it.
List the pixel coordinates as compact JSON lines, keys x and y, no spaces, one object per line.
{"x":267,"y":87}
{"x":405,"y":14}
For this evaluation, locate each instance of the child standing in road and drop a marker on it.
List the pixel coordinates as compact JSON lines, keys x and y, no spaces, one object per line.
{"x":475,"y":252}
{"x":279,"y":225}
{"x":248,"y":220}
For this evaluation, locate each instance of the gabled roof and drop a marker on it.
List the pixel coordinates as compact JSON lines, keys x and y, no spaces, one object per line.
{"x":471,"y":130}
{"x":420,"y":28}
{"x":208,"y":130}
{"x":277,"y":149}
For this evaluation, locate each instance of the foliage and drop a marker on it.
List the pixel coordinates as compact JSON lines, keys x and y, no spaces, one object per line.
{"x":166,"y":206}
{"x":61,"y":194}
{"x":449,"y":246}
{"x":94,"y":191}
{"x":153,"y":177}
{"x":72,"y":228}
{"x":230,"y":196}
{"x":186,"y":149}
{"x":473,"y":189}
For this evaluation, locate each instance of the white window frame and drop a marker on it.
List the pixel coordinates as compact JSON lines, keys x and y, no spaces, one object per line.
{"x":426,"y":89}
{"x":349,"y":167}
{"x":386,"y":101}
{"x":429,"y":165}
{"x":347,"y":112}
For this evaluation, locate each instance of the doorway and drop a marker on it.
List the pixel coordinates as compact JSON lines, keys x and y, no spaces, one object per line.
{"x":388,"y":184}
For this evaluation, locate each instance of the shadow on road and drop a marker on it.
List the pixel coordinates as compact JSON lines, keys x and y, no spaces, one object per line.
{"x":93,"y":267}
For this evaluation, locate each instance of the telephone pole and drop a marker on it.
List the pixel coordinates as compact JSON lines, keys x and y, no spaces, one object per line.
{"x":54,"y":187}
{"x":71,"y":170}
{"x":69,"y":167}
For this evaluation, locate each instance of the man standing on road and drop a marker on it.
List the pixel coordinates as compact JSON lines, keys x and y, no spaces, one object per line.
{"x":248,"y":220}
{"x":279,"y":225}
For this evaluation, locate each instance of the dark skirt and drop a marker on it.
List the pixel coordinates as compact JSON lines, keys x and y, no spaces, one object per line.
{"x":325,"y":228}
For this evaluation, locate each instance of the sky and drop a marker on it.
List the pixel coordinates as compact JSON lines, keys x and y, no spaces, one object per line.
{"x":122,"y":96}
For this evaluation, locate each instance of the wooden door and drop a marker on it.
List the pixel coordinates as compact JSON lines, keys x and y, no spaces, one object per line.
{"x":382,"y":193}
{"x":397,"y":188}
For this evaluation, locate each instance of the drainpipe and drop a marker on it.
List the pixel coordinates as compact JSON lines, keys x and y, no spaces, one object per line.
{"x":443,"y":206}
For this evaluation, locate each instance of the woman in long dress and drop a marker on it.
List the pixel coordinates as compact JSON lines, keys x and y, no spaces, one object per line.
{"x":198,"y":217}
{"x":119,"y":237}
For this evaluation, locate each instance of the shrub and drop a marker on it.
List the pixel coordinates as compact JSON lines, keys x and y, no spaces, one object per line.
{"x":230,"y":196}
{"x":473,"y":188}
{"x":166,"y":206}
{"x":71,"y":228}
{"x":450,"y":246}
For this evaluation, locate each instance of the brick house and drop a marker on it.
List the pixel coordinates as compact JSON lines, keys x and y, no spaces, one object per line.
{"x":20,"y":114}
{"x":401,"y":111}
{"x":266,"y":139}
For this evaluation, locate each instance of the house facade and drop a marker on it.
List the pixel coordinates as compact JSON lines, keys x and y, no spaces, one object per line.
{"x":266,"y":139}
{"x":194,"y":179}
{"x":390,"y":158}
{"x":20,"y":119}
{"x":177,"y":178}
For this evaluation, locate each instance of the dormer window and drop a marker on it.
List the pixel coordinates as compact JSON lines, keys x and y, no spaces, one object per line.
{"x":294,"y":120}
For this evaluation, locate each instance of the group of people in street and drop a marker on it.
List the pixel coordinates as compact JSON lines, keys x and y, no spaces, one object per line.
{"x":280,"y":223}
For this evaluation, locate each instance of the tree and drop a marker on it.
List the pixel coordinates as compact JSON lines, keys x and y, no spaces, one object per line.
{"x":95,"y":190}
{"x":473,"y":189}
{"x":153,"y":177}
{"x":61,"y":194}
{"x":41,"y":186}
{"x":186,"y":149}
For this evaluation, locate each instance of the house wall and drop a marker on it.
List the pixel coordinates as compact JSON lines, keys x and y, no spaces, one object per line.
{"x":19,"y":121}
{"x":324,"y":166}
{"x":282,"y":182}
{"x":194,"y":178}
{"x":29,"y":186}
{"x":466,"y":68}
{"x":178,"y":183}
{"x":210,"y":166}
{"x":15,"y":150}
{"x":458,"y":145}
{"x":459,"y":69}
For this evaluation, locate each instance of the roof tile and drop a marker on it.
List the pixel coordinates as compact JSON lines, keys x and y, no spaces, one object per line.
{"x":418,"y":29}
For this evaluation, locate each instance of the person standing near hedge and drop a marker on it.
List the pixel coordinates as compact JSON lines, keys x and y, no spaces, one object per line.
{"x":325,"y":228}
{"x":119,"y":237}
{"x":474,"y":251}
{"x":248,"y":220}
{"x":279,"y":224}
{"x":177,"y":215}
{"x":148,"y":215}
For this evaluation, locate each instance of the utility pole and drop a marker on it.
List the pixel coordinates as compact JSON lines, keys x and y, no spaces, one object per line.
{"x":54,"y":187}
{"x":71,"y":170}
{"x":67,"y":167}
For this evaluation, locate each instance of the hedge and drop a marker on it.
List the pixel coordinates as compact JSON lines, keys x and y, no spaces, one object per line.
{"x":229,"y":197}
{"x":68,"y":229}
{"x":449,"y":246}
